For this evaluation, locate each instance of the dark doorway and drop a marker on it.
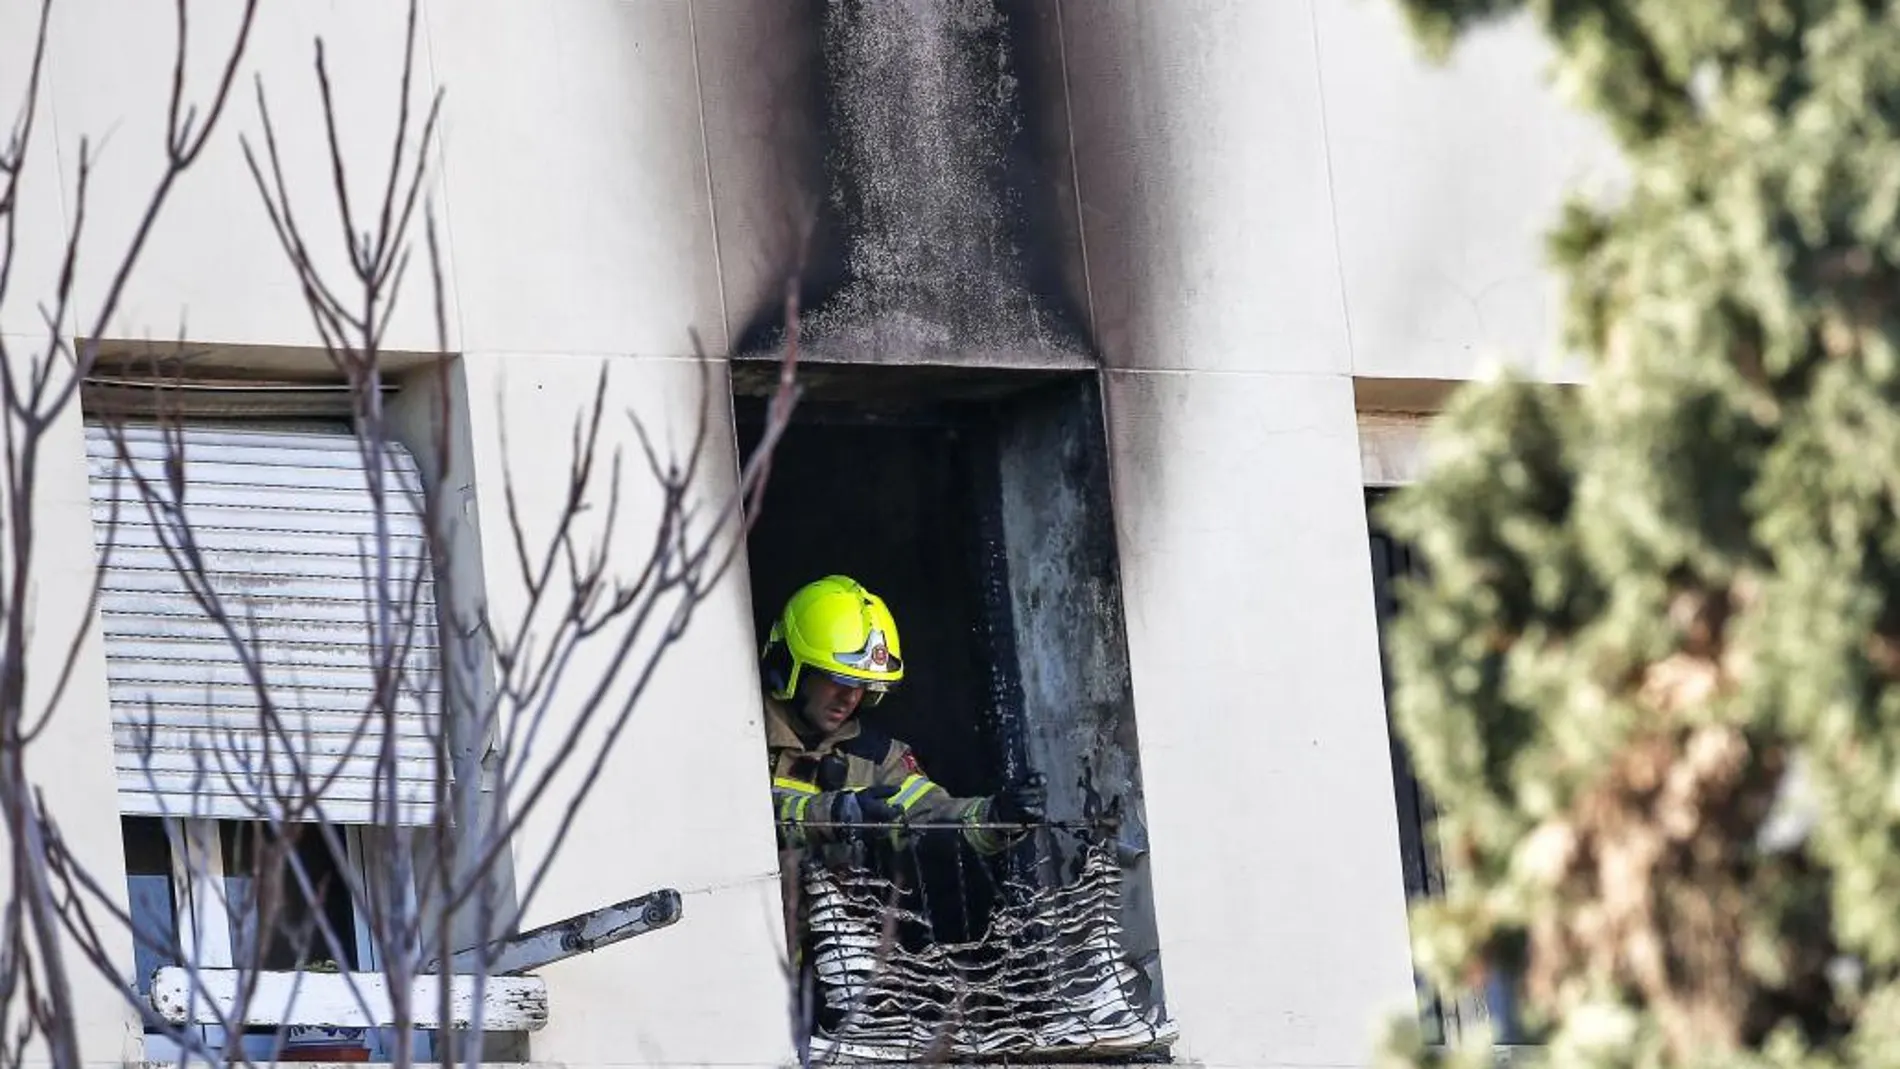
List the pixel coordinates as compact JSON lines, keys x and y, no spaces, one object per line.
{"x":897,"y":508}
{"x":976,"y":501}
{"x":907,"y":505}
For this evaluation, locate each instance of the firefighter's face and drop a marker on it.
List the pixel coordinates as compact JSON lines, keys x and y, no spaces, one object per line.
{"x":828,"y":703}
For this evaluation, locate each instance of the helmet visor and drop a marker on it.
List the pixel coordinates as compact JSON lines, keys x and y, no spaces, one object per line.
{"x":876,"y":657}
{"x":875,"y":686}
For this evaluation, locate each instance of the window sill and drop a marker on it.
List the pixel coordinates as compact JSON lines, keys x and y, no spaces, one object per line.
{"x":1503,"y":1055}
{"x":291,"y":1064}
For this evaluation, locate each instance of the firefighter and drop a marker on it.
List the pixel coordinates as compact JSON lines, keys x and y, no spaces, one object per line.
{"x":833,"y":652}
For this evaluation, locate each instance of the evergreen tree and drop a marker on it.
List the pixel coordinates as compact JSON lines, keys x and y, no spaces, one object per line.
{"x":1653,"y":677}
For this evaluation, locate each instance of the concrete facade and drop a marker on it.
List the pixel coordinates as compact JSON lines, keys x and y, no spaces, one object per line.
{"x":1260,"y":204}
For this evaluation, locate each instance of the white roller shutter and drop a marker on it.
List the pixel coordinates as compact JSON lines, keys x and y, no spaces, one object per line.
{"x":285,"y":520}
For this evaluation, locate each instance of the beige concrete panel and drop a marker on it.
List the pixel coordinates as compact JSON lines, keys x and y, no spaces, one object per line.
{"x":1254,"y":652}
{"x":1201,"y":164}
{"x":1446,"y":180}
{"x":759,"y":74}
{"x":40,"y":219}
{"x":213,"y":270}
{"x":578,"y":205}
{"x":683,"y":800}
{"x":72,"y":762}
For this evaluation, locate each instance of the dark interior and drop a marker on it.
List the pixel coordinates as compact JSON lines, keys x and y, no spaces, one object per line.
{"x":975,"y":500}
{"x":896,"y":507}
{"x":906,"y":503}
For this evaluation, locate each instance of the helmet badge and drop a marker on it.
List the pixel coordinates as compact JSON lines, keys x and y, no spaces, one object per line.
{"x":878,"y":654}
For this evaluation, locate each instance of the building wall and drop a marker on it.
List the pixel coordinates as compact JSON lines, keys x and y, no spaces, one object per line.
{"x":679,"y":802}
{"x":1274,"y":200}
{"x":72,"y":761}
{"x":1264,"y":203}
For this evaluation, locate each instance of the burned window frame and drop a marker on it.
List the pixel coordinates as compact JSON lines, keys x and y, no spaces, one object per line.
{"x":1015,"y":431}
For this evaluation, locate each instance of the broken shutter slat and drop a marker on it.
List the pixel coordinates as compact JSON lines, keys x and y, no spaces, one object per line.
{"x":345,"y":1000}
{"x":287,"y":526}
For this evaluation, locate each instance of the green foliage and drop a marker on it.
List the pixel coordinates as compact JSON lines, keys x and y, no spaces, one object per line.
{"x":1651,"y":598}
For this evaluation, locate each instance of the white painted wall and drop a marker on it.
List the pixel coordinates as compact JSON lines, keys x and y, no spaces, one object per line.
{"x":1201,"y":174}
{"x":39,"y":230}
{"x":1254,"y":654}
{"x":682,"y":802}
{"x":1444,"y":182}
{"x":576,"y":177}
{"x":212,"y":272}
{"x":1294,"y":180}
{"x":1270,"y":199}
{"x":72,"y":762}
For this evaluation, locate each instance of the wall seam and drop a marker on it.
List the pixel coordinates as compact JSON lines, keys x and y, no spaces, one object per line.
{"x":440,"y":152}
{"x":1231,"y":373}
{"x":1332,"y":190}
{"x":705,"y":157}
{"x":1075,"y":172}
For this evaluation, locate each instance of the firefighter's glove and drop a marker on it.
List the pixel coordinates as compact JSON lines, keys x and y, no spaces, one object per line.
{"x":832,"y":770}
{"x":1025,"y":801}
{"x":875,"y":804}
{"x":869,"y":806}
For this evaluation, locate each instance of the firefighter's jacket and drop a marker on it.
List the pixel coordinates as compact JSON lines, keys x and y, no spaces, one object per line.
{"x":871,"y":759}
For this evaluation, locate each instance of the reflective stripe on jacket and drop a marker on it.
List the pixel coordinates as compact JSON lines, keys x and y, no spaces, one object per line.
{"x":870,"y":759}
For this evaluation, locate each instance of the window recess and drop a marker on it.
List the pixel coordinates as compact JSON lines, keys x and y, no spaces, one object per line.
{"x":267,"y":605}
{"x":1442,"y":1020}
{"x":975,"y":501}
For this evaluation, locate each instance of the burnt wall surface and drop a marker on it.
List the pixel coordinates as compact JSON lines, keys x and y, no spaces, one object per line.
{"x":1066,"y":601}
{"x":939,"y":243}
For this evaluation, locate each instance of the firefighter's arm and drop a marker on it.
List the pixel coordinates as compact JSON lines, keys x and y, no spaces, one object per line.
{"x":922,"y":800}
{"x":803,"y":812}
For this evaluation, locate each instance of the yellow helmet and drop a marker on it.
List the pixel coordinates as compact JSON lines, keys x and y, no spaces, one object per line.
{"x":837,"y":627}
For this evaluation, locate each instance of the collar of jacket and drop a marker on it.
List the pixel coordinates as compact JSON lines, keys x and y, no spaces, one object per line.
{"x":779,"y":734}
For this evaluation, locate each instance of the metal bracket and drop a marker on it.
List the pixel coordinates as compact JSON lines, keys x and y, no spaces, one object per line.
{"x":580,"y":934}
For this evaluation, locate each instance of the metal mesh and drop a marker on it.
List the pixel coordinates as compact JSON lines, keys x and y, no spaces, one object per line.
{"x":1046,"y":978}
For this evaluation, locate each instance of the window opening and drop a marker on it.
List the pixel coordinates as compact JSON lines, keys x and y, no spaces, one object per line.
{"x":278,"y":505}
{"x":1421,"y":861}
{"x":194,"y":904}
{"x":148,"y":874}
{"x":975,"y":505}
{"x":295,"y":939}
